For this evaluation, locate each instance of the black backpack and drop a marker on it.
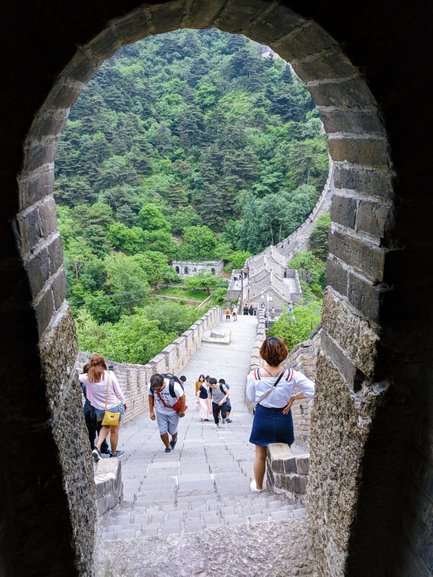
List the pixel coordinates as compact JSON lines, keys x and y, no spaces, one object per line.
{"x":172,"y":379}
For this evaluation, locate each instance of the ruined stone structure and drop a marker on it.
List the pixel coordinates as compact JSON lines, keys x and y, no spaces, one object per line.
{"x":186,"y":268}
{"x":370,"y":490}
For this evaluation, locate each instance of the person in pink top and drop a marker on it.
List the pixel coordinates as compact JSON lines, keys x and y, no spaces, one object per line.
{"x":104,"y":393}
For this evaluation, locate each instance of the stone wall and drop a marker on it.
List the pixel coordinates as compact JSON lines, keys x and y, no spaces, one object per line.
{"x":134,"y":379}
{"x":286,"y":472}
{"x":299,"y":239}
{"x":370,"y":484}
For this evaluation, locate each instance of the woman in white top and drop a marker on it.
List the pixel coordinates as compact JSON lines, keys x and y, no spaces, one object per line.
{"x":273,"y":389}
{"x":104,"y":393}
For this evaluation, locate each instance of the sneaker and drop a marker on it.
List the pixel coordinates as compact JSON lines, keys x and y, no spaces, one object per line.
{"x":173,"y":443}
{"x":228,"y":420}
{"x":223,"y":421}
{"x":168,"y":450}
{"x":117,"y":454}
{"x":96,"y":454}
{"x":253,"y":487}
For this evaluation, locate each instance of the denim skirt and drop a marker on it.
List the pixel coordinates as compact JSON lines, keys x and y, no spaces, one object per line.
{"x":117,"y":409}
{"x":271,"y":426}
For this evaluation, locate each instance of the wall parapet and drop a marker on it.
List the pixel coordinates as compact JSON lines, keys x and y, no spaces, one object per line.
{"x":134,"y":378}
{"x":286,"y":472}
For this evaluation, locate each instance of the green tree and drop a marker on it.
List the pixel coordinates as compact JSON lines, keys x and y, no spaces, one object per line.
{"x":199,"y":242}
{"x":312,"y":272}
{"x":294,"y":328}
{"x":318,"y":242}
{"x":204,"y":280}
{"x":150,"y":218}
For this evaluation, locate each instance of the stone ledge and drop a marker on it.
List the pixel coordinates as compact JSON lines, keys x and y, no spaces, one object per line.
{"x":287,"y":472}
{"x":108,"y":485}
{"x":221,"y":337}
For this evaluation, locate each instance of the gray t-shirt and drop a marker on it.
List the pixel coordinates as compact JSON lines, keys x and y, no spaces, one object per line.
{"x":216,"y":393}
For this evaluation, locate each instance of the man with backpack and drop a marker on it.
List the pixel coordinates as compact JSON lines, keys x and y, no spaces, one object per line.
{"x":228,"y":404}
{"x":167,"y":405}
{"x":218,"y":393}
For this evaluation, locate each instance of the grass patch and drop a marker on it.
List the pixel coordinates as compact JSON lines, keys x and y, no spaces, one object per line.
{"x":194,"y":295}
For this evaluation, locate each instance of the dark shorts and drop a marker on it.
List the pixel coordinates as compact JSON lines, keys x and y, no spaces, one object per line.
{"x":271,"y":426}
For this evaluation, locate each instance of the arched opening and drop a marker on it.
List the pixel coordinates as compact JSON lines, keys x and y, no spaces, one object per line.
{"x":359,"y":372}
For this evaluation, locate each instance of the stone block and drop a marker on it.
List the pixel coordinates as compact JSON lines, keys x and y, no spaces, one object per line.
{"x":365,"y":297}
{"x":351,"y":94}
{"x":108,"y":484}
{"x":306,"y":40}
{"x":371,"y":152}
{"x":303,"y":464}
{"x":44,"y":310}
{"x":350,"y":121}
{"x":358,"y":253}
{"x":374,"y":218}
{"x":352,"y":332}
{"x":38,"y":269}
{"x":36,"y":186}
{"x":343,"y":210}
{"x":368,"y":181}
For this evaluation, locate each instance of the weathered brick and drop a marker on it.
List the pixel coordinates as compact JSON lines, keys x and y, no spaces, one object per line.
{"x":363,"y":257}
{"x":337,"y":276}
{"x":343,"y":210}
{"x":363,"y":151}
{"x":368,"y":181}
{"x":374,"y":218}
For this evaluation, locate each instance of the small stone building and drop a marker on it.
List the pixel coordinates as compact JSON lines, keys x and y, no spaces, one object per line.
{"x":186,"y":268}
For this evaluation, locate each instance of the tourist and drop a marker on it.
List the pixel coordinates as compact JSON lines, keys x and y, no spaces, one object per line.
{"x":161,"y":407}
{"x":104,"y":393}
{"x":228,"y":406}
{"x":201,"y":379}
{"x":203,"y":401}
{"x":251,"y":310}
{"x":228,"y":314}
{"x":235,"y":313}
{"x":218,"y":394}
{"x":245,"y":310}
{"x":93,"y":426}
{"x":273,"y":389}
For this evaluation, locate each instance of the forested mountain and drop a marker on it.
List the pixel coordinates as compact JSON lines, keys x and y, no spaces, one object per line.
{"x":200,"y":123}
{"x":191,"y":144}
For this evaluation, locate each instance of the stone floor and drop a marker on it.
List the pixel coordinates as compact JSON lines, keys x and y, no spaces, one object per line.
{"x":191,"y":512}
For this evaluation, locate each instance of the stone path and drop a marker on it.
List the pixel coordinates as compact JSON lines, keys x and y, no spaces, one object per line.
{"x":191,"y":512}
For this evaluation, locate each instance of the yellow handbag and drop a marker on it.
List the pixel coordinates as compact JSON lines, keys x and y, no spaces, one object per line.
{"x":110,"y":419}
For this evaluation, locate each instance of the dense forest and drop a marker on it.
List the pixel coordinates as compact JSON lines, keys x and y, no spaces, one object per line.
{"x":191,"y":145}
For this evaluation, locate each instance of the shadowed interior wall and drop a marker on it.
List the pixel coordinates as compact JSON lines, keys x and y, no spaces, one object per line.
{"x":370,"y":482}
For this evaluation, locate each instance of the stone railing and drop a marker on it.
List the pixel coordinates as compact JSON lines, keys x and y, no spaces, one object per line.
{"x":286,"y":472}
{"x":299,"y":239}
{"x":133,"y":379}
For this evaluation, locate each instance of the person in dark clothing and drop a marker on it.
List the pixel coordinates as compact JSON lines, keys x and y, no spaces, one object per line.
{"x":251,"y":310}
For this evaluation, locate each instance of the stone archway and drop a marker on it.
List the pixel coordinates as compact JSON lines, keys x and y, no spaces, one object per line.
{"x":362,"y":383}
